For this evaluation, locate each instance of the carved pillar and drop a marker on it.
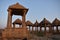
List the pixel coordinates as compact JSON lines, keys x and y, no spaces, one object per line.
{"x":9,"y":22}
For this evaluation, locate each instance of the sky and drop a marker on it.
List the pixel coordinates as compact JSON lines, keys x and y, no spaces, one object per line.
{"x":38,"y":9}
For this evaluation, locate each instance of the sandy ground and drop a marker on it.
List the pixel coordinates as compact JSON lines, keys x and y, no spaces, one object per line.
{"x":53,"y":37}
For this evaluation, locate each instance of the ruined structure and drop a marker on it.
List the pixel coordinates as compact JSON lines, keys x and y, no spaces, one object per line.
{"x":12,"y":33}
{"x":21,"y":33}
{"x":36,"y":24}
{"x":56,"y":23}
{"x":17,"y":21}
{"x":28,"y":23}
{"x":45,"y":23}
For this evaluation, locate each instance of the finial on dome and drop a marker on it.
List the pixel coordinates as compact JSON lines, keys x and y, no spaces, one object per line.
{"x":17,"y":3}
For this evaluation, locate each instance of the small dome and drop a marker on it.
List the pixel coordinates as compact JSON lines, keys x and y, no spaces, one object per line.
{"x":17,"y":6}
{"x":28,"y":23}
{"x":56,"y":22}
{"x":36,"y":23}
{"x":17,"y":9}
{"x":17,"y":21}
{"x":43,"y":22}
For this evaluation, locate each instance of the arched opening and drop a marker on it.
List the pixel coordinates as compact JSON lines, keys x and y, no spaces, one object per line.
{"x":14,"y":17}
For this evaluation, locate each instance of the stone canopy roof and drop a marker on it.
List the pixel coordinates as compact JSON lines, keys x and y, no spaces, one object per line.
{"x":18,"y":9}
{"x":17,"y":21}
{"x":44,"y":22}
{"x":17,"y":6}
{"x":28,"y":23}
{"x":56,"y":22}
{"x":36,"y":24}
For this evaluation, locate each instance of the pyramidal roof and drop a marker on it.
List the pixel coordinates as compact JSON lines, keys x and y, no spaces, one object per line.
{"x":45,"y":21}
{"x":56,"y":22}
{"x":17,"y":21}
{"x":28,"y":23}
{"x":17,"y":6}
{"x":36,"y":23}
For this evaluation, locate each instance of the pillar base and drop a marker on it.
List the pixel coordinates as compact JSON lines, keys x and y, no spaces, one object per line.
{"x":15,"y":33}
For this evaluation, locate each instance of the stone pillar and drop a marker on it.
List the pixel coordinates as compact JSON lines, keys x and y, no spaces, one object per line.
{"x":45,"y":28}
{"x":9,"y":22}
{"x":57,"y":28}
{"x":24,"y":24}
{"x":23,"y":20}
{"x":13,"y":25}
{"x":29,"y":28}
{"x":40,"y":29}
{"x":53,"y":28}
{"x":50,"y":29}
{"x":20,"y":26}
{"x":32,"y":29}
{"x":37,"y":29}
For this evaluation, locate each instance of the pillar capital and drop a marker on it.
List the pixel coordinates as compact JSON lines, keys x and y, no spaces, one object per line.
{"x":9,"y":12}
{"x":24,"y":12}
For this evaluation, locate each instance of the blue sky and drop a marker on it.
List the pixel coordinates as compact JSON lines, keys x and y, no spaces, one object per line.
{"x":38,"y":9}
